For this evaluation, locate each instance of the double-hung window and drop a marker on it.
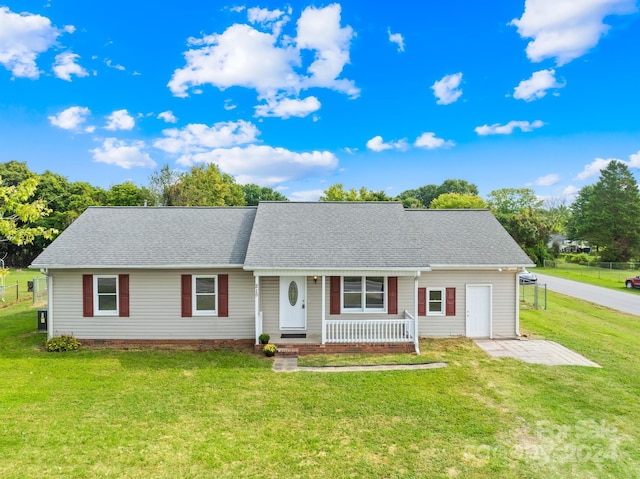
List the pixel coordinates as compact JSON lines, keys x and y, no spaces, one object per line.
{"x":106,"y":295}
{"x":363,"y":293}
{"x":435,"y":301}
{"x":205,"y":295}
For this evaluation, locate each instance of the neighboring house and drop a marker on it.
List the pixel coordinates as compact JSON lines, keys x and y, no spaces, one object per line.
{"x":328,"y":276}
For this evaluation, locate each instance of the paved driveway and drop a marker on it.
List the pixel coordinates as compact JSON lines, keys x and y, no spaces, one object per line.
{"x":619,"y":300}
{"x":535,"y":351}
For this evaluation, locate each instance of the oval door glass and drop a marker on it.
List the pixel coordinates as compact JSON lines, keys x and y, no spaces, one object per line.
{"x":293,"y":293}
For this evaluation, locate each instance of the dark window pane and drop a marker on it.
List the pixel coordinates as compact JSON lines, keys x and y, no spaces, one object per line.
{"x":205,"y":285}
{"x":352,"y":301}
{"x":206,"y":302}
{"x":352,"y":283}
{"x":435,"y":295}
{"x":375,"y":300}
{"x":375,"y":283}
{"x":106,"y":285}
{"x":107,"y":302}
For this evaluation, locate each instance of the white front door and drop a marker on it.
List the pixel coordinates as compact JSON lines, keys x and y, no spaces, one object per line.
{"x":293,"y":298}
{"x":479,"y":310}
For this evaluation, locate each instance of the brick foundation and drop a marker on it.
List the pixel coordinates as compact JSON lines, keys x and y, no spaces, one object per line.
{"x":347,"y":348}
{"x":192,"y":344}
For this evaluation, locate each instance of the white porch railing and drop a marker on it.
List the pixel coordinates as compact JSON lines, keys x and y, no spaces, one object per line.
{"x":370,"y":330}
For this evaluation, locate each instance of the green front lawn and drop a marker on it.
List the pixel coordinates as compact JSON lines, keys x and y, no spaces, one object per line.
{"x":170,"y":414}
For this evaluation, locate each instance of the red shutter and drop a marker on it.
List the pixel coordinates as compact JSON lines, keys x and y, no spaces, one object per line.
{"x":451,"y":301}
{"x":392,"y":284}
{"x":334,"y":296}
{"x":223,"y":295}
{"x":123,"y":295}
{"x":422,"y":301}
{"x":186,"y":295}
{"x":87,"y":295}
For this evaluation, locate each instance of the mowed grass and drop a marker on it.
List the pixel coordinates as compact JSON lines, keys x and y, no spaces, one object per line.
{"x":189,"y":414}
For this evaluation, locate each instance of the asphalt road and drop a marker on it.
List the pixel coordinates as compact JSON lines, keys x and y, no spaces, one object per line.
{"x":619,"y":300}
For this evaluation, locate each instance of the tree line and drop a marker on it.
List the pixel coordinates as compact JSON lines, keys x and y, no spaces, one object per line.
{"x":34,"y":208}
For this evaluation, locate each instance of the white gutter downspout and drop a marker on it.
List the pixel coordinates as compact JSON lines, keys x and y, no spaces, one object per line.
{"x":416,"y":333}
{"x":324,"y":311}
{"x":257,"y":309}
{"x":517,"y":281}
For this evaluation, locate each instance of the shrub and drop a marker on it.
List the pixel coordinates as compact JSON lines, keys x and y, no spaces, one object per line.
{"x":62,"y":343}
{"x":269,"y":349}
{"x":579,"y":258}
{"x":264,"y":338}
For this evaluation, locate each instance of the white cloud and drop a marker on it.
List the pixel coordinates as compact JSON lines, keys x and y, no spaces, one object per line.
{"x":288,"y":107}
{"x":547,"y":180}
{"x":377,"y":144}
{"x":566,"y":29}
{"x":228,"y":105}
{"x":536,"y":87}
{"x":266,"y":165}
{"x":23,"y":37}
{"x":198,"y":138}
{"x":268,"y":62}
{"x":72,"y":119}
{"x":570,"y":191}
{"x":272,"y":19}
{"x":123,"y":154}
{"x":429,"y":141}
{"x":110,"y":64}
{"x":167,"y":116}
{"x":498,"y":129}
{"x":447,"y":90}
{"x":594,"y":168}
{"x":65,"y":65}
{"x":396,"y":38}
{"x":307,"y":195}
{"x":120,"y":120}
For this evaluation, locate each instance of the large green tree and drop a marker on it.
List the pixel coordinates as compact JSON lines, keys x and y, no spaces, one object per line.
{"x":607,"y":214}
{"x":457,"y":201}
{"x":18,"y":212}
{"x":129,"y":194}
{"x":338,"y":193}
{"x":206,"y":185}
{"x":423,"y":196}
{"x":520,"y":211}
{"x":254,"y":194}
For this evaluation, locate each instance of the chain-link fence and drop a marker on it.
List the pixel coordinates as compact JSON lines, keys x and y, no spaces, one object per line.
{"x":40,"y":292}
{"x":533,"y":296}
{"x":601,"y":270}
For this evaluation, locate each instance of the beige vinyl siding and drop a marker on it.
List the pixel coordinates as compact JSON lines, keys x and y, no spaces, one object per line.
{"x":155,"y":308}
{"x":503,"y":302}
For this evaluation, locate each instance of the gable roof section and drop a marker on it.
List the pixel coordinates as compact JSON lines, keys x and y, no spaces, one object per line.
{"x":148,"y":237}
{"x":457,"y":238}
{"x":333,"y":236}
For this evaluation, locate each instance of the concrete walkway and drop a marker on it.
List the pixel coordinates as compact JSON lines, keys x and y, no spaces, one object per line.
{"x":534,"y":351}
{"x":290,"y":365}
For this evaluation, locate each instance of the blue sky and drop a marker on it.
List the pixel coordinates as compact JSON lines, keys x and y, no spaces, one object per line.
{"x":299,"y":96}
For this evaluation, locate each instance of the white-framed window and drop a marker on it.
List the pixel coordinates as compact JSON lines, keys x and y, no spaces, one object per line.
{"x":364,"y":294}
{"x":105,"y":299}
{"x":435,"y":301}
{"x":205,"y":295}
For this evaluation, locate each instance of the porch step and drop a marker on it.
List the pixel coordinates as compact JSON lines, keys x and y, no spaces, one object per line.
{"x":288,"y":352}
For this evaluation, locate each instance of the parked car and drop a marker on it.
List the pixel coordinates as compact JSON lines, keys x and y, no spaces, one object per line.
{"x":632,"y":282}
{"x":526,"y":277}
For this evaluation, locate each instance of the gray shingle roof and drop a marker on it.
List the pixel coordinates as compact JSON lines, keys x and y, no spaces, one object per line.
{"x":376,"y":235}
{"x":152,"y":237}
{"x":465,"y":237}
{"x":333,"y":235}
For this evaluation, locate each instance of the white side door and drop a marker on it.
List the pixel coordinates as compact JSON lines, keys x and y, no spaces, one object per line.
{"x":293,"y":298}
{"x":479,"y":311}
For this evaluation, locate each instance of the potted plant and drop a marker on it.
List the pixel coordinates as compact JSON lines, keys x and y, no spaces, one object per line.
{"x":269,"y":350}
{"x":264,"y":338}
